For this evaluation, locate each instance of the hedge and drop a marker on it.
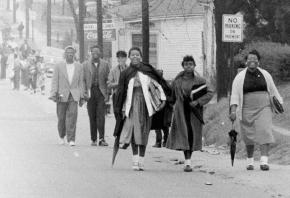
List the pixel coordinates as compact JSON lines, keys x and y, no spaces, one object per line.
{"x":275,"y":58}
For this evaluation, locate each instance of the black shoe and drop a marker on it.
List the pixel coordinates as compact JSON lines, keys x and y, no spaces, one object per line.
{"x":250,"y":167}
{"x":103,"y":143}
{"x":94,"y":143}
{"x":157,"y":145}
{"x":187,"y":168}
{"x":264,"y":167}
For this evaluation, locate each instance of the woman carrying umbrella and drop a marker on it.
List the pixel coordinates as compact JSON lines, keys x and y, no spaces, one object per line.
{"x":133,"y":94}
{"x":252,"y":90}
{"x":186,"y":128}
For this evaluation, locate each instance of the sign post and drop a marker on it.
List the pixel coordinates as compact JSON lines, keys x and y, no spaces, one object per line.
{"x":232,"y":32}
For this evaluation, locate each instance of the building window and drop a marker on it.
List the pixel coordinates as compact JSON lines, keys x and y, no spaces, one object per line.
{"x":137,"y":42}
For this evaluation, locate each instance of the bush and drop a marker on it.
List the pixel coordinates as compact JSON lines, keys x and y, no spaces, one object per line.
{"x":275,"y":58}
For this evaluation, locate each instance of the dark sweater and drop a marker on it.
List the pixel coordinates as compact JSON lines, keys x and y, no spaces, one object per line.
{"x":254,"y":81}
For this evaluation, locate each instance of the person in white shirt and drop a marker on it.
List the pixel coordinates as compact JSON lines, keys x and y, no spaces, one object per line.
{"x":67,"y":90}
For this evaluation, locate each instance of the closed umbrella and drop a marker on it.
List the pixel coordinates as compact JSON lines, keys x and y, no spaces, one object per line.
{"x":119,"y":122}
{"x":233,"y":142}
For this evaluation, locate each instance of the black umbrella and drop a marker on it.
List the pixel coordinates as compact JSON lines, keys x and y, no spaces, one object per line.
{"x":117,"y":134}
{"x":233,"y":142}
{"x":115,"y":148}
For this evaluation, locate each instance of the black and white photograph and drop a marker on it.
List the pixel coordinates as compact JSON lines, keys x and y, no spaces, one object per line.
{"x":144,"y":98}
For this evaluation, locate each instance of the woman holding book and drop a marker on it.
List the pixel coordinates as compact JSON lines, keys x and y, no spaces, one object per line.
{"x":186,"y":129}
{"x":136,"y":103}
{"x":252,"y":90}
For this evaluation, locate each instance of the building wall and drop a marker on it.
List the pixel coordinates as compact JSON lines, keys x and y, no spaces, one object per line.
{"x":175,"y":39}
{"x":180,"y":37}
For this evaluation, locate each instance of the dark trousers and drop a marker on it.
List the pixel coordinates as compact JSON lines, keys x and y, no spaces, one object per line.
{"x":114,"y":103}
{"x":67,"y":113}
{"x":97,"y":111}
{"x":159,"y":135}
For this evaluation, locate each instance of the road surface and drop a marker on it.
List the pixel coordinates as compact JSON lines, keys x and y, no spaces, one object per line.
{"x":34,"y":165}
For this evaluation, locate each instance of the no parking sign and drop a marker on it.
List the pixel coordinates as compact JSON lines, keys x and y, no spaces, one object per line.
{"x":233,"y":26}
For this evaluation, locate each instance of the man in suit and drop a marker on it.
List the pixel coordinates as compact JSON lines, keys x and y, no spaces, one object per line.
{"x":96,"y":73}
{"x":67,"y":90}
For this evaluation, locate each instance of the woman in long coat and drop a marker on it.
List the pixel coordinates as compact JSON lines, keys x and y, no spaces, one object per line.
{"x":186,"y":129}
{"x":252,"y":90}
{"x":134,"y":104}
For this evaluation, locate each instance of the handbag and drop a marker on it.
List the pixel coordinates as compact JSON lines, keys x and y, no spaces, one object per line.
{"x":276,"y":105}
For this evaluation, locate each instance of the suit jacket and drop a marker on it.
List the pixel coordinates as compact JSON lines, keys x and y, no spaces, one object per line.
{"x":104,"y":70}
{"x":60,"y":82}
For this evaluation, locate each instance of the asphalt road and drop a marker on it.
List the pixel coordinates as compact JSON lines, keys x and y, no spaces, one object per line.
{"x":32,"y":164}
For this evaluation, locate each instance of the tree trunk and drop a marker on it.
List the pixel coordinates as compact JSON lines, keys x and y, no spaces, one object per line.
{"x":75,"y":17}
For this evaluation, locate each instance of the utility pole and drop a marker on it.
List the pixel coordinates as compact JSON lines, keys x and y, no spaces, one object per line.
{"x":27,"y":2}
{"x":14,"y":11}
{"x":48,"y":22}
{"x":81,"y":30}
{"x":145,"y":31}
{"x":100,"y":25}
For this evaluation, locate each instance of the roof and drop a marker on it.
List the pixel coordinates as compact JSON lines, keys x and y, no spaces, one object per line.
{"x":160,"y":9}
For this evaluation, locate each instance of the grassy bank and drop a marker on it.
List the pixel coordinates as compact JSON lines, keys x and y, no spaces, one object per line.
{"x":218,"y":125}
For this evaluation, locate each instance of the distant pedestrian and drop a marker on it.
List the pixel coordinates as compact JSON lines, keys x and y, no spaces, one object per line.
{"x":25,"y":49}
{"x":186,"y":129}
{"x":96,"y":72}
{"x":67,"y":90}
{"x":133,"y":94}
{"x":114,"y":75}
{"x":16,"y":70}
{"x":20,"y":30}
{"x":25,"y":74}
{"x":32,"y":75}
{"x":4,"y":58}
{"x":252,"y":90}
{"x":41,"y":75}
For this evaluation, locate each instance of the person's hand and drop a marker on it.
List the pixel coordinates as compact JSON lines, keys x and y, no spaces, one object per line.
{"x":161,"y":106}
{"x":193,"y":103}
{"x":107,"y":98}
{"x":233,"y":116}
{"x":53,"y":98}
{"x":82,"y":102}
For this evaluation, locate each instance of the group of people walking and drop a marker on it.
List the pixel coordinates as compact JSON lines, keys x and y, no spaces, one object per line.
{"x":23,"y":66}
{"x":143,"y":100}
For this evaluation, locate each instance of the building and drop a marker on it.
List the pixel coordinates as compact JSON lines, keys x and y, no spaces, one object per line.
{"x":177,"y":28}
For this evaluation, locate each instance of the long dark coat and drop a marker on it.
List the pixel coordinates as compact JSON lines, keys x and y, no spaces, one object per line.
{"x":179,"y":133}
{"x":121,"y":93}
